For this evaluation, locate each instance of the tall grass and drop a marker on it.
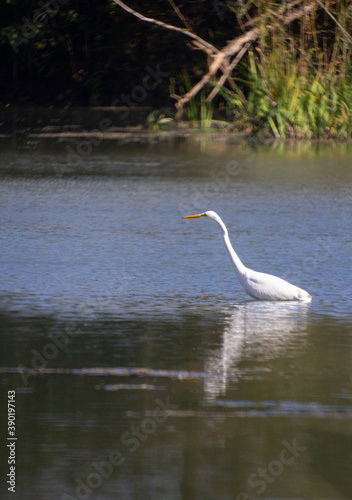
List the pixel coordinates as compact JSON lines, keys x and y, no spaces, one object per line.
{"x":192,"y":110}
{"x":199,"y":112}
{"x":206,"y":113}
{"x":281,"y":99}
{"x":297,"y":81}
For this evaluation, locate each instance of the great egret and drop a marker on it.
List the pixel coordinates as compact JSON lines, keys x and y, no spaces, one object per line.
{"x":258,"y":285}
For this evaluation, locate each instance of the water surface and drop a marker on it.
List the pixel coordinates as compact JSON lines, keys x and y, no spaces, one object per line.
{"x":142,"y":369}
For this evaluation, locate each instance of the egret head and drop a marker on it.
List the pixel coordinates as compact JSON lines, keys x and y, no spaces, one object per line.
{"x":194,"y":216}
{"x":209,"y":213}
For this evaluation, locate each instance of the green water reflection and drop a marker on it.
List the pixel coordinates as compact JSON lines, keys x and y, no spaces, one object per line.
{"x":252,"y":390}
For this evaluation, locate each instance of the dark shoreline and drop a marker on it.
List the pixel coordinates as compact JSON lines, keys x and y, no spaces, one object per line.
{"x":103,"y":123}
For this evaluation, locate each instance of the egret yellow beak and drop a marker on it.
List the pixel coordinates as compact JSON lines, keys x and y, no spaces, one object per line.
{"x":192,"y":216}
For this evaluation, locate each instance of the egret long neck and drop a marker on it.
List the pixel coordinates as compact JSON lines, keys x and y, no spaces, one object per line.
{"x":236,"y":261}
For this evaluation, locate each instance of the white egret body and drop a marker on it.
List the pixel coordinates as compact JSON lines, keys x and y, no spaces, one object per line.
{"x":258,"y":285}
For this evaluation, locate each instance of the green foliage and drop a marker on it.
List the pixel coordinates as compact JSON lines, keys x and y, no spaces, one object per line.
{"x":285,"y":96}
{"x":295,"y":82}
{"x":161,"y":119}
{"x":199,"y":112}
{"x":206,"y":112}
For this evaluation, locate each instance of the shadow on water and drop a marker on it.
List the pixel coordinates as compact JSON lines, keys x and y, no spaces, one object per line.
{"x":231,"y":387}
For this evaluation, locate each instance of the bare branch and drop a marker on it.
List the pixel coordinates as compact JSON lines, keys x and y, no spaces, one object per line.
{"x":227,"y":72}
{"x":278,"y":13}
{"x":218,"y":59}
{"x":230,"y":49}
{"x":180,"y":15}
{"x":188,"y":33}
{"x":289,"y":18}
{"x":236,"y":45}
{"x":347,"y":35}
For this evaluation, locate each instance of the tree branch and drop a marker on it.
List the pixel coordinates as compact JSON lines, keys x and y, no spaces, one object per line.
{"x":227,"y":72}
{"x":180,"y":15}
{"x":219,"y":58}
{"x":186,"y":32}
{"x":347,"y":35}
{"x":236,"y":45}
{"x":230,"y":49}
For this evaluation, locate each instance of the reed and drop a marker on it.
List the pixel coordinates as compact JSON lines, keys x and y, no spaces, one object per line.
{"x":199,"y":112}
{"x":278,"y":98}
{"x":297,"y":81}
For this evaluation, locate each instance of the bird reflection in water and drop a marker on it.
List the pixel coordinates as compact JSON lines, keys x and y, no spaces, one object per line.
{"x":259,"y":330}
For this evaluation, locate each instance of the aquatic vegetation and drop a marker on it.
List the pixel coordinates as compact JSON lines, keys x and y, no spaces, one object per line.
{"x":287,"y":97}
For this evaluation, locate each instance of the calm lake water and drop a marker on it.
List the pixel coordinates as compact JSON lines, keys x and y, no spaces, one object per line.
{"x":141,"y":368}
